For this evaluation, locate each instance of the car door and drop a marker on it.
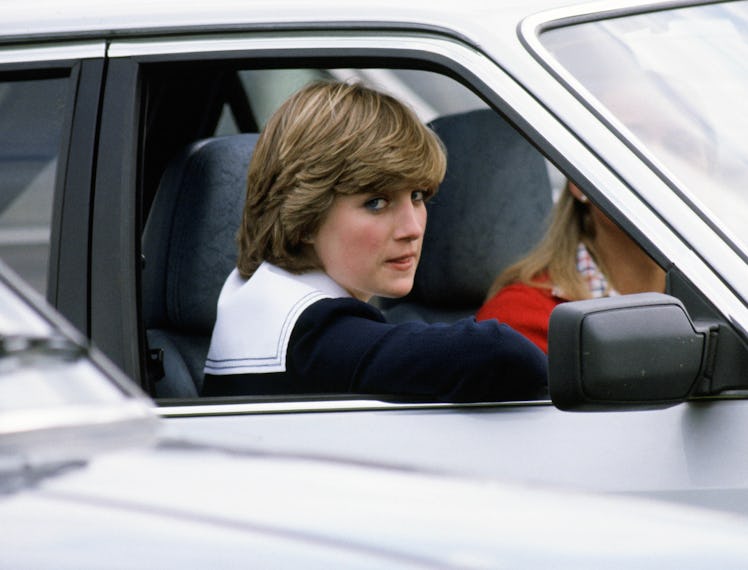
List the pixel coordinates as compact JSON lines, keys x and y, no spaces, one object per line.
{"x":675,"y":452}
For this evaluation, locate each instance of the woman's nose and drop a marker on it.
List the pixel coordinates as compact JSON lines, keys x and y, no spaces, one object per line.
{"x":411,"y":220}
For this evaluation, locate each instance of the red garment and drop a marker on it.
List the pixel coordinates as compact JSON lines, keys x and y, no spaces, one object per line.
{"x":525,"y":308}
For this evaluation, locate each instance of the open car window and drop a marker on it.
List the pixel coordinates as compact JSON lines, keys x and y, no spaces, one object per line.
{"x":478,"y":208}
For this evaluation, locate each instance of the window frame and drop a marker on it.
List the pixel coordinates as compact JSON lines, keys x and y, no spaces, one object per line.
{"x":428,"y":51}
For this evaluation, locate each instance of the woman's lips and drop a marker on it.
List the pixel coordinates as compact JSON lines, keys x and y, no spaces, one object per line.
{"x":402,"y":263}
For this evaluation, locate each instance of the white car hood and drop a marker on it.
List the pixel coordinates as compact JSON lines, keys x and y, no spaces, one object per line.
{"x":179,"y":505}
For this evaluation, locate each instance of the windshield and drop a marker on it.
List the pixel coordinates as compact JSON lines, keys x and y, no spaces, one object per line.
{"x":677,"y":80}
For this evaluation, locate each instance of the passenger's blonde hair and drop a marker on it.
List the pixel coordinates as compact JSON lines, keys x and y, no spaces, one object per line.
{"x":329,"y":138}
{"x":556,"y":254}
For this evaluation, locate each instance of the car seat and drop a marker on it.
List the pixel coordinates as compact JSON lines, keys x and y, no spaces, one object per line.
{"x":489,"y":211}
{"x":189,"y":249}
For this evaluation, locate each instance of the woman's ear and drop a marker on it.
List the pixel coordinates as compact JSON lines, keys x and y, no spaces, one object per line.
{"x":576,"y":192}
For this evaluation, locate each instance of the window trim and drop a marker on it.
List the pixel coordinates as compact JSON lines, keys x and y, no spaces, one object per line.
{"x":62,"y":54}
{"x":70,"y":256}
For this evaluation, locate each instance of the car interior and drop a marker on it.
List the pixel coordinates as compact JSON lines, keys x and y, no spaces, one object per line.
{"x":488,"y":212}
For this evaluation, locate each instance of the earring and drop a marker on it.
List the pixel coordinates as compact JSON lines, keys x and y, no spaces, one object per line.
{"x":583,"y":199}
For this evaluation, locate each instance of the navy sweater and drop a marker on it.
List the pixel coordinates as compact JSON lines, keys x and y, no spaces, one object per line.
{"x":345,"y":346}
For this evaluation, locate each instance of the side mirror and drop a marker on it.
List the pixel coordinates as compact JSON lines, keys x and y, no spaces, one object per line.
{"x":625,"y":352}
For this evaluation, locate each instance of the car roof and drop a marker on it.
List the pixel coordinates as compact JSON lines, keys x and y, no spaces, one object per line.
{"x":93,"y":18}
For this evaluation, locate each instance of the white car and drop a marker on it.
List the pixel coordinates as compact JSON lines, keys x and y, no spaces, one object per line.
{"x":112,"y":116}
{"x":88,"y":480}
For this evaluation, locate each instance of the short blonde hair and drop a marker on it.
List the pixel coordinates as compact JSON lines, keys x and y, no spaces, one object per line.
{"x":329,"y":138}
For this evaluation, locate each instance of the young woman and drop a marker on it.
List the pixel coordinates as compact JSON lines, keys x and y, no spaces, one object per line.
{"x":335,"y":214}
{"x":583,"y":255}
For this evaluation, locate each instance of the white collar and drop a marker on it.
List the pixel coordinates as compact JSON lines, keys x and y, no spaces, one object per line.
{"x":256,"y":316}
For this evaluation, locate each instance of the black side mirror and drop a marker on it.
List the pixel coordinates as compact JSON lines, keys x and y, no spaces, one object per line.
{"x":626,"y":352}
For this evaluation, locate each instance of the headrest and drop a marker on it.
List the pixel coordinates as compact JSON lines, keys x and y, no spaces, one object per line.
{"x":489,"y":210}
{"x":189,"y":242}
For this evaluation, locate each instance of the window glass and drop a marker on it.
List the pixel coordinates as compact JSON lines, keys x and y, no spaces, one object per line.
{"x":678,"y":81}
{"x":31,"y":115}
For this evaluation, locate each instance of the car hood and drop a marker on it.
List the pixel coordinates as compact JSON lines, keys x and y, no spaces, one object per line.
{"x":177,"y":504}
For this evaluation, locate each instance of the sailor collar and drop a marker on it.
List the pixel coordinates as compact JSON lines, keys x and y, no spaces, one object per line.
{"x":255,"y":318}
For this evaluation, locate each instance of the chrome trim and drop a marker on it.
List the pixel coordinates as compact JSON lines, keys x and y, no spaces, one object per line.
{"x":249,"y":42}
{"x":53,"y":52}
{"x":318,"y":406}
{"x":587,"y":11}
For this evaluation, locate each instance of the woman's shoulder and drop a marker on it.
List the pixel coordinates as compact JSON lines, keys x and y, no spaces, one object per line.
{"x":519,"y":297}
{"x":255,"y":318}
{"x":332,"y":308}
{"x":540,"y":288}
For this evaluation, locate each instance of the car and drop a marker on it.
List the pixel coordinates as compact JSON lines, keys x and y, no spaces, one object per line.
{"x":88,"y":479}
{"x":126,"y":135}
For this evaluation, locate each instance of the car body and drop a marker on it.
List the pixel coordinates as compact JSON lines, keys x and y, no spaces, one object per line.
{"x":88,"y":479}
{"x":136,"y":84}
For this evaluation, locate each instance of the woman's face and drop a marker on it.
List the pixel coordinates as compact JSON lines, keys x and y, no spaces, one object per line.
{"x":370,"y":244}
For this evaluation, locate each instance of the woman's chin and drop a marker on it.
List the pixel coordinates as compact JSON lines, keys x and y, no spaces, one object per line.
{"x":396,"y":292}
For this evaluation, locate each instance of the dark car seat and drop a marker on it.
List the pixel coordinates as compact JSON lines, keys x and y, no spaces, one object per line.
{"x":489,"y":211}
{"x":189,"y":249}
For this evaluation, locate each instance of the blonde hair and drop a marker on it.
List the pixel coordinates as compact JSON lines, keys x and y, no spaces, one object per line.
{"x":555,"y":255}
{"x":329,"y":138}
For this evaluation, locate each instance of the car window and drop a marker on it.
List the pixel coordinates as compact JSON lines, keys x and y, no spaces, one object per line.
{"x":677,"y":80}
{"x":31,"y":116}
{"x":180,"y":295}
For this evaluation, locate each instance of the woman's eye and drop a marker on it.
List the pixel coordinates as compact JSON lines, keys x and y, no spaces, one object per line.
{"x":419,"y":195}
{"x":376,"y":204}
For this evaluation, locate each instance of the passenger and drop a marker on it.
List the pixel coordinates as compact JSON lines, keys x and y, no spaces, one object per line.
{"x":583,"y":255}
{"x":335,"y":214}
